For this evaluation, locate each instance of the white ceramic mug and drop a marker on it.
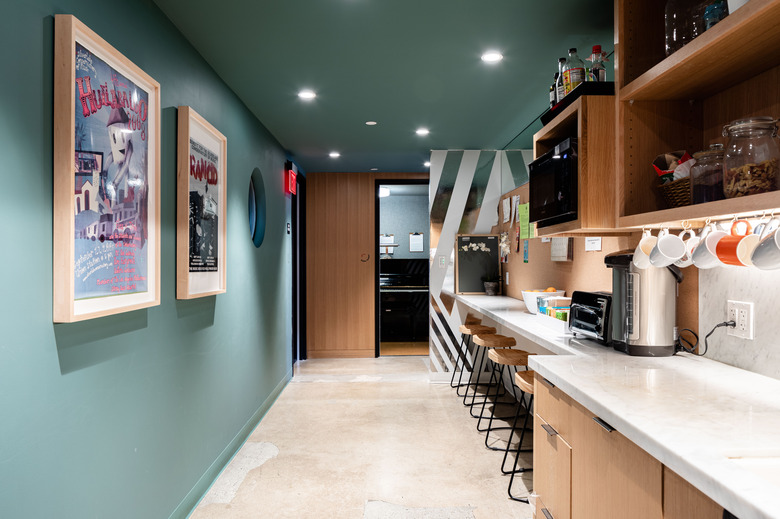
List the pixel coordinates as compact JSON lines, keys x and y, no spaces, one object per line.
{"x":642,"y":253}
{"x":764,"y":229}
{"x":766,"y":255}
{"x":704,"y":256}
{"x":690,"y":246}
{"x":668,"y":249}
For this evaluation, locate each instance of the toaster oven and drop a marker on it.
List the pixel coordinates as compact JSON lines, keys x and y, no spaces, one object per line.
{"x":589,"y":315}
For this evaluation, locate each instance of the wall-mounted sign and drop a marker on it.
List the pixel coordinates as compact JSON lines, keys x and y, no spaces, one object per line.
{"x":290,"y":181}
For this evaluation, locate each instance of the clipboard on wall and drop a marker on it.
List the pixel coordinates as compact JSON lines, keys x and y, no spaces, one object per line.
{"x":416,"y":242}
{"x":476,"y":259}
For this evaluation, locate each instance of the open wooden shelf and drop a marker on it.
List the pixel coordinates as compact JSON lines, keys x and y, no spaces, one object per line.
{"x":740,"y":46}
{"x":592,"y":120}
{"x":696,"y":215}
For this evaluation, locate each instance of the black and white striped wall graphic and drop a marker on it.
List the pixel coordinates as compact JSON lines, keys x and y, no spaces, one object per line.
{"x":465,"y":190}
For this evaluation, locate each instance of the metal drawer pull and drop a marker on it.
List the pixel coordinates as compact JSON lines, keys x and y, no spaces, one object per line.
{"x":549,"y":429}
{"x":604,"y":424}
{"x":546,"y":381}
{"x":547,"y":514}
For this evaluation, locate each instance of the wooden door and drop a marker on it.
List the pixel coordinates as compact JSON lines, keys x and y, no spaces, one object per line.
{"x":612,"y":478}
{"x":340,"y":242}
{"x":552,"y":472}
{"x":683,"y":501}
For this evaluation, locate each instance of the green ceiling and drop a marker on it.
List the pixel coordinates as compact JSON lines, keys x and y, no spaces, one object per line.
{"x":402,"y":63}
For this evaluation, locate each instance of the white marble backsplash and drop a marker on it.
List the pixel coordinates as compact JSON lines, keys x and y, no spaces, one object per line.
{"x":762,"y":288}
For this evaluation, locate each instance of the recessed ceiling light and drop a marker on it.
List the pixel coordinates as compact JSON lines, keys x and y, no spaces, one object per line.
{"x":427,"y":164}
{"x":374,"y":169}
{"x":422,"y":131}
{"x":334,"y":154}
{"x":370,"y":123}
{"x":492,"y":56}
{"x":307,"y":94}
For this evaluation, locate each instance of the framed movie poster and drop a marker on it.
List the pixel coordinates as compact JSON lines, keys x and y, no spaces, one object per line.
{"x":106,"y":178}
{"x":201,"y":204}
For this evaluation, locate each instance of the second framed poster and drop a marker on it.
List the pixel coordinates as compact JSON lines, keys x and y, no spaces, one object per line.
{"x":201,"y":230}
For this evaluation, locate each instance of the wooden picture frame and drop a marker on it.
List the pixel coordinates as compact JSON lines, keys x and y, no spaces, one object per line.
{"x":478,"y":259}
{"x":106,"y":219}
{"x":201,"y":208}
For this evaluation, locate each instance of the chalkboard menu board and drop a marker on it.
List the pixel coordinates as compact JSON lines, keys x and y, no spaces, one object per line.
{"x":476,"y":261}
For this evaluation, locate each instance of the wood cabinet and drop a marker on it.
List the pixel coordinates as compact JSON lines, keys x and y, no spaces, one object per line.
{"x":585,"y":469}
{"x":591,"y":119}
{"x":612,"y":478}
{"x":552,"y":420}
{"x":682,"y":101}
{"x":683,"y":501}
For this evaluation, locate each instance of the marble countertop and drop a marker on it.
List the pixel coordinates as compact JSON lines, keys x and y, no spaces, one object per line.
{"x":715,"y":425}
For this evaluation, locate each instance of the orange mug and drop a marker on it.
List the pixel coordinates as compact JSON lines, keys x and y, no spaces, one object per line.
{"x":736,"y":248}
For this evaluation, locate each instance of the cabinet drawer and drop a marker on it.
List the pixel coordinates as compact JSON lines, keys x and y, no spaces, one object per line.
{"x":553,"y":405}
{"x":553,"y":482}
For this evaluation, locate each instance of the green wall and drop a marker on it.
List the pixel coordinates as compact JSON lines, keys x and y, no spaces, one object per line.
{"x":130,"y":415}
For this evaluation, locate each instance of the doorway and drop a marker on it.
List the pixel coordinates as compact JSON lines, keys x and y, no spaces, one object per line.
{"x":402,"y":267}
{"x":298,"y":244}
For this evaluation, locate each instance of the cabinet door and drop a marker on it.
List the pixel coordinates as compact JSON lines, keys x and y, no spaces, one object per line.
{"x":612,"y":478}
{"x":552,"y":471}
{"x":683,"y":501}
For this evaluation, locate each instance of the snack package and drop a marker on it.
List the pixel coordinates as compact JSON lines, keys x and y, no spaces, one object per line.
{"x":673,"y":165}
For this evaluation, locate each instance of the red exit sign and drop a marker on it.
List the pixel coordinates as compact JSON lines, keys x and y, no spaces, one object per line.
{"x":290,"y":184}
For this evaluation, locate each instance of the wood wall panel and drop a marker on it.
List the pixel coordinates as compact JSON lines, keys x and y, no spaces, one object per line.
{"x":340,"y":262}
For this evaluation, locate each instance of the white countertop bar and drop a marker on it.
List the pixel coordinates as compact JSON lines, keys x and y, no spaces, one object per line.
{"x":691,"y":413}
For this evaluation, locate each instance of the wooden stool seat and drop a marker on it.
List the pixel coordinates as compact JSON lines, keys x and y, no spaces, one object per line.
{"x":525,"y":381}
{"x":472,"y":319}
{"x":494,"y":341}
{"x":476,"y":329}
{"x":509,"y":357}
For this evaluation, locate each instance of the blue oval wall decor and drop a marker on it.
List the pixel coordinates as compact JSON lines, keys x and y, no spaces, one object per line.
{"x":257,"y":207}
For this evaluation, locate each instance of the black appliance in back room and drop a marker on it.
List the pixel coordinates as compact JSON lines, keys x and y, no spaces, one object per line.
{"x":403,"y":289}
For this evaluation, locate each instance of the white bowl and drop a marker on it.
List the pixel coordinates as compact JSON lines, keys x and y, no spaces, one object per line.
{"x":531,"y":299}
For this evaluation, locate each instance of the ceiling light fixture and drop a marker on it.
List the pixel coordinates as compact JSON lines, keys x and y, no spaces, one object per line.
{"x":334,"y":154}
{"x":427,"y":164}
{"x":374,"y":169}
{"x":422,"y":131}
{"x":370,"y":123}
{"x":384,"y":191}
{"x":307,"y":95}
{"x":492,"y":56}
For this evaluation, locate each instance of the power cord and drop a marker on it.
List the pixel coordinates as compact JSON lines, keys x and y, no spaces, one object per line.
{"x":679,"y":346}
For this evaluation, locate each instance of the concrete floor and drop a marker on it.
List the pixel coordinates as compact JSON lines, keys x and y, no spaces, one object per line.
{"x":365,"y":439}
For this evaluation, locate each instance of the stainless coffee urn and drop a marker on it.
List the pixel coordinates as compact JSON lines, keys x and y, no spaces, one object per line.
{"x":644,"y":306}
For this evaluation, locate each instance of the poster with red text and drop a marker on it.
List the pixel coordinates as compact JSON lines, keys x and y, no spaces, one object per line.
{"x":111,"y":181}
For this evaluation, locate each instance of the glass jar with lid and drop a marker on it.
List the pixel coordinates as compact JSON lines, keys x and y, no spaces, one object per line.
{"x":751,"y":159}
{"x":707,"y":175}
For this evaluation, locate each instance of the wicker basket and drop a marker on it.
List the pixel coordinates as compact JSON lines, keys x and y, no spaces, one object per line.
{"x":677,"y":193}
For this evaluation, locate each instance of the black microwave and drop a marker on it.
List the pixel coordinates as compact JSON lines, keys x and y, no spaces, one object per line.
{"x":553,"y":185}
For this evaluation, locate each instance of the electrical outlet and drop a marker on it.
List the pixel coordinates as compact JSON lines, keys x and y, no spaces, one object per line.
{"x":742,"y":314}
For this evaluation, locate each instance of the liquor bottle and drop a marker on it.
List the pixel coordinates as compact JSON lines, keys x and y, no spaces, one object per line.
{"x":560,"y":91}
{"x":597,"y":71}
{"x":573,"y":71}
{"x":553,"y":94}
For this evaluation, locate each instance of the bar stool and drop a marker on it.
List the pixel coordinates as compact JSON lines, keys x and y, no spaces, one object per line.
{"x":503,"y":359}
{"x":471,"y":319}
{"x":525,"y":381}
{"x":486,"y":343}
{"x":467,"y":331}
